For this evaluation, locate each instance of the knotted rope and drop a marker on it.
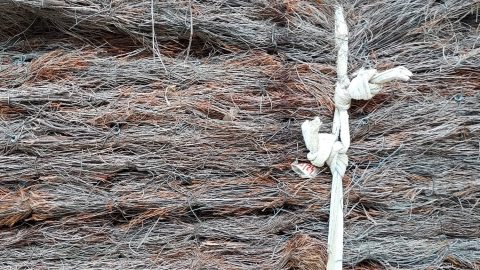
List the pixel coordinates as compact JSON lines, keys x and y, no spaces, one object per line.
{"x":324,"y":147}
{"x":331,"y":148}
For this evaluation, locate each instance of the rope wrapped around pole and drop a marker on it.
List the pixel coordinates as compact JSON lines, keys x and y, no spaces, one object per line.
{"x":331,"y":148}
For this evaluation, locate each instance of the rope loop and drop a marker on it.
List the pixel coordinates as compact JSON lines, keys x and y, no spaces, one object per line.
{"x":324,"y":147}
{"x":366,"y":84}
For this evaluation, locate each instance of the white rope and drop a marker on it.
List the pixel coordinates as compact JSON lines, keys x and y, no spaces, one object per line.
{"x":331,"y":148}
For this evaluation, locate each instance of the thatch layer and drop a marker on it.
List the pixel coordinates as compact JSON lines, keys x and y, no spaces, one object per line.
{"x":113,"y":158}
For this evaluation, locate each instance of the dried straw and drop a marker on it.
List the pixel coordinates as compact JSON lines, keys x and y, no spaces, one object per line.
{"x":113,"y":159}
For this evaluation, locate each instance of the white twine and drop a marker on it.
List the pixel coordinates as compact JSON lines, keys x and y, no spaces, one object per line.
{"x":331,"y":148}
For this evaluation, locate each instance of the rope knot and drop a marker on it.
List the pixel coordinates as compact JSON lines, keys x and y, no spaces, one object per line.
{"x":360,"y":86}
{"x":366,"y":84}
{"x":323,"y":147}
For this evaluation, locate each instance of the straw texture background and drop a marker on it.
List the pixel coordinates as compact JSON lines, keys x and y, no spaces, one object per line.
{"x":127,"y":146}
